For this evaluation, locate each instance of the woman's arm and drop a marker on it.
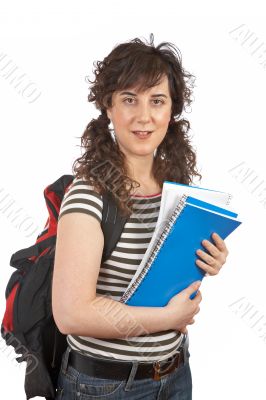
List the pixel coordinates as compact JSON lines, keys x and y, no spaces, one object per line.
{"x":76,"y":307}
{"x":107,"y":318}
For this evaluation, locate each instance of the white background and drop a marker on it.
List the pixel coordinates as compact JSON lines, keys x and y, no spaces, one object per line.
{"x":55,"y":45}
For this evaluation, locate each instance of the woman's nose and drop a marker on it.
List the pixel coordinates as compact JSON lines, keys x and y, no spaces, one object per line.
{"x":144,"y":114}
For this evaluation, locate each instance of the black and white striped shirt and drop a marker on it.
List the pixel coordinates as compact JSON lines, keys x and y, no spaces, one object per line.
{"x":116,"y":273}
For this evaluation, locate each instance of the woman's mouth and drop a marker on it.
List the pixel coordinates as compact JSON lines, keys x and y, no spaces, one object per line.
{"x":142,"y":134}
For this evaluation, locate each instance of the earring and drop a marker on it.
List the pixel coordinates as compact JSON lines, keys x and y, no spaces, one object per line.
{"x":111,"y":127}
{"x":112,"y":131}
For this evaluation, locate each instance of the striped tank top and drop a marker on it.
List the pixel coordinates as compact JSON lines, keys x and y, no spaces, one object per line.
{"x":115,"y":274}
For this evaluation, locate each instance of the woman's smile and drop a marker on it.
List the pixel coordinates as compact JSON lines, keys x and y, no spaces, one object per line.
{"x":142,"y":134}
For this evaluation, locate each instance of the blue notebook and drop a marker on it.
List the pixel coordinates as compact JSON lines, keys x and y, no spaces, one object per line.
{"x":171,"y":265}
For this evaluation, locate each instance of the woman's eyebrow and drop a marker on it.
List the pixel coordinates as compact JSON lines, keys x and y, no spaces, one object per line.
{"x":134,"y":94}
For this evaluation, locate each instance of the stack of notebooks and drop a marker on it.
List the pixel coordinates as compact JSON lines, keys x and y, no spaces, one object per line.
{"x":188,"y":215}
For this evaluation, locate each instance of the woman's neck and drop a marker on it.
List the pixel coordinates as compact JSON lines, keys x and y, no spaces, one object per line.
{"x":146,"y":188}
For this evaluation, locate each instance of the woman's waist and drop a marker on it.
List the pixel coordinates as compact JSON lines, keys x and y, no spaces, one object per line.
{"x":142,"y":348}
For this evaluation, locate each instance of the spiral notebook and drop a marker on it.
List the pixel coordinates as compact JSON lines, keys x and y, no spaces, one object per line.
{"x":171,"y":266}
{"x":171,"y":194}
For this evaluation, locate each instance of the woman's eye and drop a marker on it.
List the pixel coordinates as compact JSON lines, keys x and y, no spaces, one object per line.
{"x":128,"y":99}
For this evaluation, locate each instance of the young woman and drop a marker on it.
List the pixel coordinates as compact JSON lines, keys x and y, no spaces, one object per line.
{"x":117,"y":351}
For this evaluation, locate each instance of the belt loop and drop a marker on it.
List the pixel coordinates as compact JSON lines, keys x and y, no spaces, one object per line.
{"x":65,"y":360}
{"x":131,"y":375}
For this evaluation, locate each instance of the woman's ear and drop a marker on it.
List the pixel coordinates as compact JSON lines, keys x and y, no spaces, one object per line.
{"x":108,"y":113}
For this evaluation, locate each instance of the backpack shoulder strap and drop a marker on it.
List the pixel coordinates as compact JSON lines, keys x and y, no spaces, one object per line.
{"x":112,"y":224}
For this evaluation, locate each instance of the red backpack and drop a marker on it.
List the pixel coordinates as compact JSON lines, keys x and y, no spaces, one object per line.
{"x":28,"y":324}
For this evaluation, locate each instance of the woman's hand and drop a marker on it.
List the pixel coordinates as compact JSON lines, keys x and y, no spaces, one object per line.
{"x":181,"y":309}
{"x":213,"y":262}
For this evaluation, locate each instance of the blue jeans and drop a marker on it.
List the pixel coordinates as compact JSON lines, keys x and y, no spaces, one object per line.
{"x":73,"y":385}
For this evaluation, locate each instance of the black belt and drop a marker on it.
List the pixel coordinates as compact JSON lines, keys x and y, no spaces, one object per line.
{"x":120,"y":370}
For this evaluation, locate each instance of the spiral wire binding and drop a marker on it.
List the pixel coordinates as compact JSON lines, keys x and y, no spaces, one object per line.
{"x":159,"y":244}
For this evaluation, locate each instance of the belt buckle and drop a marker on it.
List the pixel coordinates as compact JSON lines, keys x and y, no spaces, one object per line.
{"x":158,"y":373}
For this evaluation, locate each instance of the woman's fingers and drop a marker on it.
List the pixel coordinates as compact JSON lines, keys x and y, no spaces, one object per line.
{"x":183,"y":329}
{"x":192,"y":321}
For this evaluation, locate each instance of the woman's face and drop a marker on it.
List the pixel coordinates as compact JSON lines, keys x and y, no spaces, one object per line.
{"x":146,"y":111}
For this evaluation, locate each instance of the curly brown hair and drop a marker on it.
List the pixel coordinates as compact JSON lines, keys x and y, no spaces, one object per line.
{"x":142,"y":65}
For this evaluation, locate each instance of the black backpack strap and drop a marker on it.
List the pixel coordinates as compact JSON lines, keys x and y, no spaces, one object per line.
{"x":34,"y":250}
{"x":112,"y":224}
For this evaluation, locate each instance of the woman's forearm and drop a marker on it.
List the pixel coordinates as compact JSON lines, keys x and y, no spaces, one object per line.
{"x":107,"y":318}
